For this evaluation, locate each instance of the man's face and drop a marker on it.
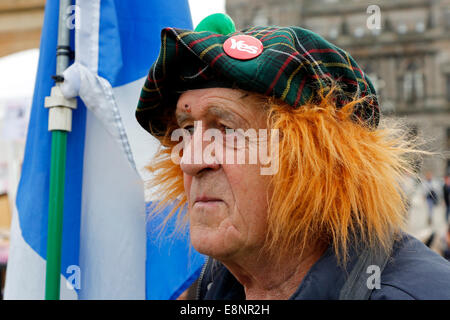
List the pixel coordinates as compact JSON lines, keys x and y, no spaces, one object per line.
{"x":227,"y":203}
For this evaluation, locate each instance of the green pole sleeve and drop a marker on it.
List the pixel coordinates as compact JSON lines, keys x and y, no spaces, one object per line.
{"x":55,"y":214}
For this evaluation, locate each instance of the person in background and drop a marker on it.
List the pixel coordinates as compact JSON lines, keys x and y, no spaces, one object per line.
{"x":446,"y":195}
{"x":430,"y":194}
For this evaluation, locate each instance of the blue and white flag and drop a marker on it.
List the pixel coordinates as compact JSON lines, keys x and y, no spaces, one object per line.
{"x":109,"y":251}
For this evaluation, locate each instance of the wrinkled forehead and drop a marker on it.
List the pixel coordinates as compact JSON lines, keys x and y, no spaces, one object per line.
{"x":229,"y":104}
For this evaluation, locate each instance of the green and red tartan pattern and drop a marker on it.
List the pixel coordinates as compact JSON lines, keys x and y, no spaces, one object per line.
{"x":293,"y":66}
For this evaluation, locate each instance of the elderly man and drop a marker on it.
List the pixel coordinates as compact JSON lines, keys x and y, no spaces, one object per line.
{"x":325,"y":219}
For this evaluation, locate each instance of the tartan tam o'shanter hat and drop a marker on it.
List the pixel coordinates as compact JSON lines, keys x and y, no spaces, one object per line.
{"x":288,"y":63}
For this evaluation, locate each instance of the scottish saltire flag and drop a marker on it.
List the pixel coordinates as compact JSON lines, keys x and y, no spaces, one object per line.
{"x":109,"y":251}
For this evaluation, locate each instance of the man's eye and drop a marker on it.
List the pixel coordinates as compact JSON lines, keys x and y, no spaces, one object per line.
{"x":224,"y":128}
{"x":190,"y":129}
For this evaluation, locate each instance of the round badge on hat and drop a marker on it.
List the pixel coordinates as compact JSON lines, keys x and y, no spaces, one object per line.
{"x":243,"y":47}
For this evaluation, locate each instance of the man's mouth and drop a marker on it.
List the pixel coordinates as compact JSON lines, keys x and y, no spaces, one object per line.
{"x":207,"y":201}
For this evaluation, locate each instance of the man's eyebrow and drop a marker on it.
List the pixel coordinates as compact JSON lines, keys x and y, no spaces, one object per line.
{"x":221,"y":113}
{"x":215,"y":111}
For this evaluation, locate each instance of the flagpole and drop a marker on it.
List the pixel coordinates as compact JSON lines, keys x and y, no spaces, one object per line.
{"x":59,"y":123}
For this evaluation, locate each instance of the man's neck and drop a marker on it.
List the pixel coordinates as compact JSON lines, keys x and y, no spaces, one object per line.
{"x":264,"y":279}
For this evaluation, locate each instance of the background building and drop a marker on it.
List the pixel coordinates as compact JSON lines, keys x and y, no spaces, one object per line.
{"x":407,"y":58}
{"x":20,"y":29}
{"x":20,"y":25}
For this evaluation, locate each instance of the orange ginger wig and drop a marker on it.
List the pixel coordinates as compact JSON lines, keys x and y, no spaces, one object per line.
{"x":338,"y":180}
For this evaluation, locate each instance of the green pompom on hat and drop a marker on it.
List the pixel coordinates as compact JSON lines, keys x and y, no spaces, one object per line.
{"x":294,"y":65}
{"x":218,"y":22}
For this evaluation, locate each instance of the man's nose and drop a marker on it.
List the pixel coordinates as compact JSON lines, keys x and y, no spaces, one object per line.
{"x":194,"y":161}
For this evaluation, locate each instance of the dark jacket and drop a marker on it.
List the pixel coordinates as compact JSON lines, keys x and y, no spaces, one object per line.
{"x":412,"y":272}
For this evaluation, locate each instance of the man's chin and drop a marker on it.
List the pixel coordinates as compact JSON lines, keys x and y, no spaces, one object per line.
{"x":213,"y":247}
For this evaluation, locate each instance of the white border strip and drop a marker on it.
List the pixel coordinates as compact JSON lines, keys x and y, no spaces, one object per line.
{"x":87,"y":33}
